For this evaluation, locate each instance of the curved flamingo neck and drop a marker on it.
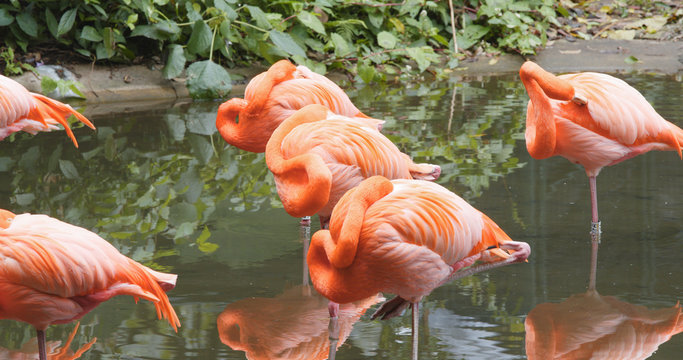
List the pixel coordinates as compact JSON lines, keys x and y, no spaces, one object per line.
{"x":540,"y":125}
{"x":304,"y":181}
{"x":332,"y":252}
{"x":229,"y":125}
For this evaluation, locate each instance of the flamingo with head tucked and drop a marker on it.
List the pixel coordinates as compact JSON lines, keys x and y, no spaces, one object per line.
{"x":405,"y":237}
{"x":316,"y":156}
{"x":273,"y":96}
{"x":21,"y":110}
{"x":52,"y":272}
{"x":593,"y":120}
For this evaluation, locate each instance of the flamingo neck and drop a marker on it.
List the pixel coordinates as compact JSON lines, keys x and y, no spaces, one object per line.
{"x":303,"y":182}
{"x":540,"y":122}
{"x":234,"y":125}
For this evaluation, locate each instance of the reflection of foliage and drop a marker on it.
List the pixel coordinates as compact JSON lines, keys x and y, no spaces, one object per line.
{"x":132,"y":181}
{"x":138,"y":180}
{"x":473,"y":143}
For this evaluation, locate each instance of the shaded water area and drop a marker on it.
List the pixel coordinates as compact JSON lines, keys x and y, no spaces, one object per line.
{"x":166,"y":190}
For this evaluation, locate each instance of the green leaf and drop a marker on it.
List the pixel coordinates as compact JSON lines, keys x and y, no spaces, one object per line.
{"x":376,"y":18}
{"x":200,"y":40}
{"x":230,"y":13}
{"x":418,"y":55}
{"x":51,"y":21}
{"x":175,"y":62}
{"x":471,"y":35}
{"x":341,"y":47}
{"x":66,"y":22}
{"x":5,"y":17}
{"x":631,"y":60}
{"x":68,"y":169}
{"x":285,"y":42}
{"x":203,"y":245}
{"x":108,"y":44}
{"x":366,"y":73}
{"x":386,"y":40}
{"x":260,"y":17}
{"x":311,"y":21}
{"x":206,"y":79}
{"x":24,"y":199}
{"x":47,"y":84}
{"x":90,"y":33}
{"x":28,"y":24}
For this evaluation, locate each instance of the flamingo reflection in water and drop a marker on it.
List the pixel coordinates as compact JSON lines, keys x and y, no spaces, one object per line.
{"x":593,"y":326}
{"x":55,"y":349}
{"x":293,"y":325}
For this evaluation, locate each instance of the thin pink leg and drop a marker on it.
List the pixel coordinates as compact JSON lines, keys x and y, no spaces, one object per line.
{"x":42,"y":353}
{"x":595,"y":224}
{"x":416,"y":326}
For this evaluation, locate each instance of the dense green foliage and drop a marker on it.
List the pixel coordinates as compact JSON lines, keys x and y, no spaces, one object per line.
{"x":360,"y":36}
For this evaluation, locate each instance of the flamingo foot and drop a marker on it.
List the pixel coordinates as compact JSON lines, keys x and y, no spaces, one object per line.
{"x":391,"y":308}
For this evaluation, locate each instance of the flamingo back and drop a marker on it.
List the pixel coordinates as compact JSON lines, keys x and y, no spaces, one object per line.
{"x":55,"y":262}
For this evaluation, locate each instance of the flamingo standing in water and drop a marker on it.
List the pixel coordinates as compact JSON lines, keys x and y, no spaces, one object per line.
{"x":31,"y":112}
{"x":316,"y":156}
{"x":591,"y":119}
{"x":52,"y":272}
{"x":405,"y":237}
{"x":273,"y":96}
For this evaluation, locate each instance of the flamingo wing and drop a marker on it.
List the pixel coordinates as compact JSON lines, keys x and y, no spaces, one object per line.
{"x":620,"y":112}
{"x":71,"y":268}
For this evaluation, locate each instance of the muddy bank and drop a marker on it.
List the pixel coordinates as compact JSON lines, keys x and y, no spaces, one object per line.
{"x":112,"y":90}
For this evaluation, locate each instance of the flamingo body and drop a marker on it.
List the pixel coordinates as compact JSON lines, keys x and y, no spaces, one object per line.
{"x":52,"y":272}
{"x":610,"y":122}
{"x":593,"y":120}
{"x":405,"y":237}
{"x":21,"y":110}
{"x":273,"y":96}
{"x":316,"y":156}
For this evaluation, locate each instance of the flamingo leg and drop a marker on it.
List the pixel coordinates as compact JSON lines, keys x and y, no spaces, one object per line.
{"x":333,"y":308}
{"x":42,"y":353}
{"x":416,"y":326}
{"x":305,"y":221}
{"x":305,"y":236}
{"x":595,"y":223}
{"x":333,"y":329}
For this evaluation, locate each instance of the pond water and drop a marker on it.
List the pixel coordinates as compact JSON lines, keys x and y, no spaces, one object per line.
{"x":167,"y":191}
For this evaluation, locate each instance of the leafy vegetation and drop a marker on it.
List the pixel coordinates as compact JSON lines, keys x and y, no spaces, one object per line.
{"x":361,"y":36}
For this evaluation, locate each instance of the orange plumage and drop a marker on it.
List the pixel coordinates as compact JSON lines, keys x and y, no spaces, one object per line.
{"x":293,"y":325}
{"x":273,"y":96}
{"x":316,"y":156}
{"x":591,"y":119}
{"x":405,"y":237}
{"x":591,"y":326}
{"x":31,"y":112}
{"x":54,"y":273}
